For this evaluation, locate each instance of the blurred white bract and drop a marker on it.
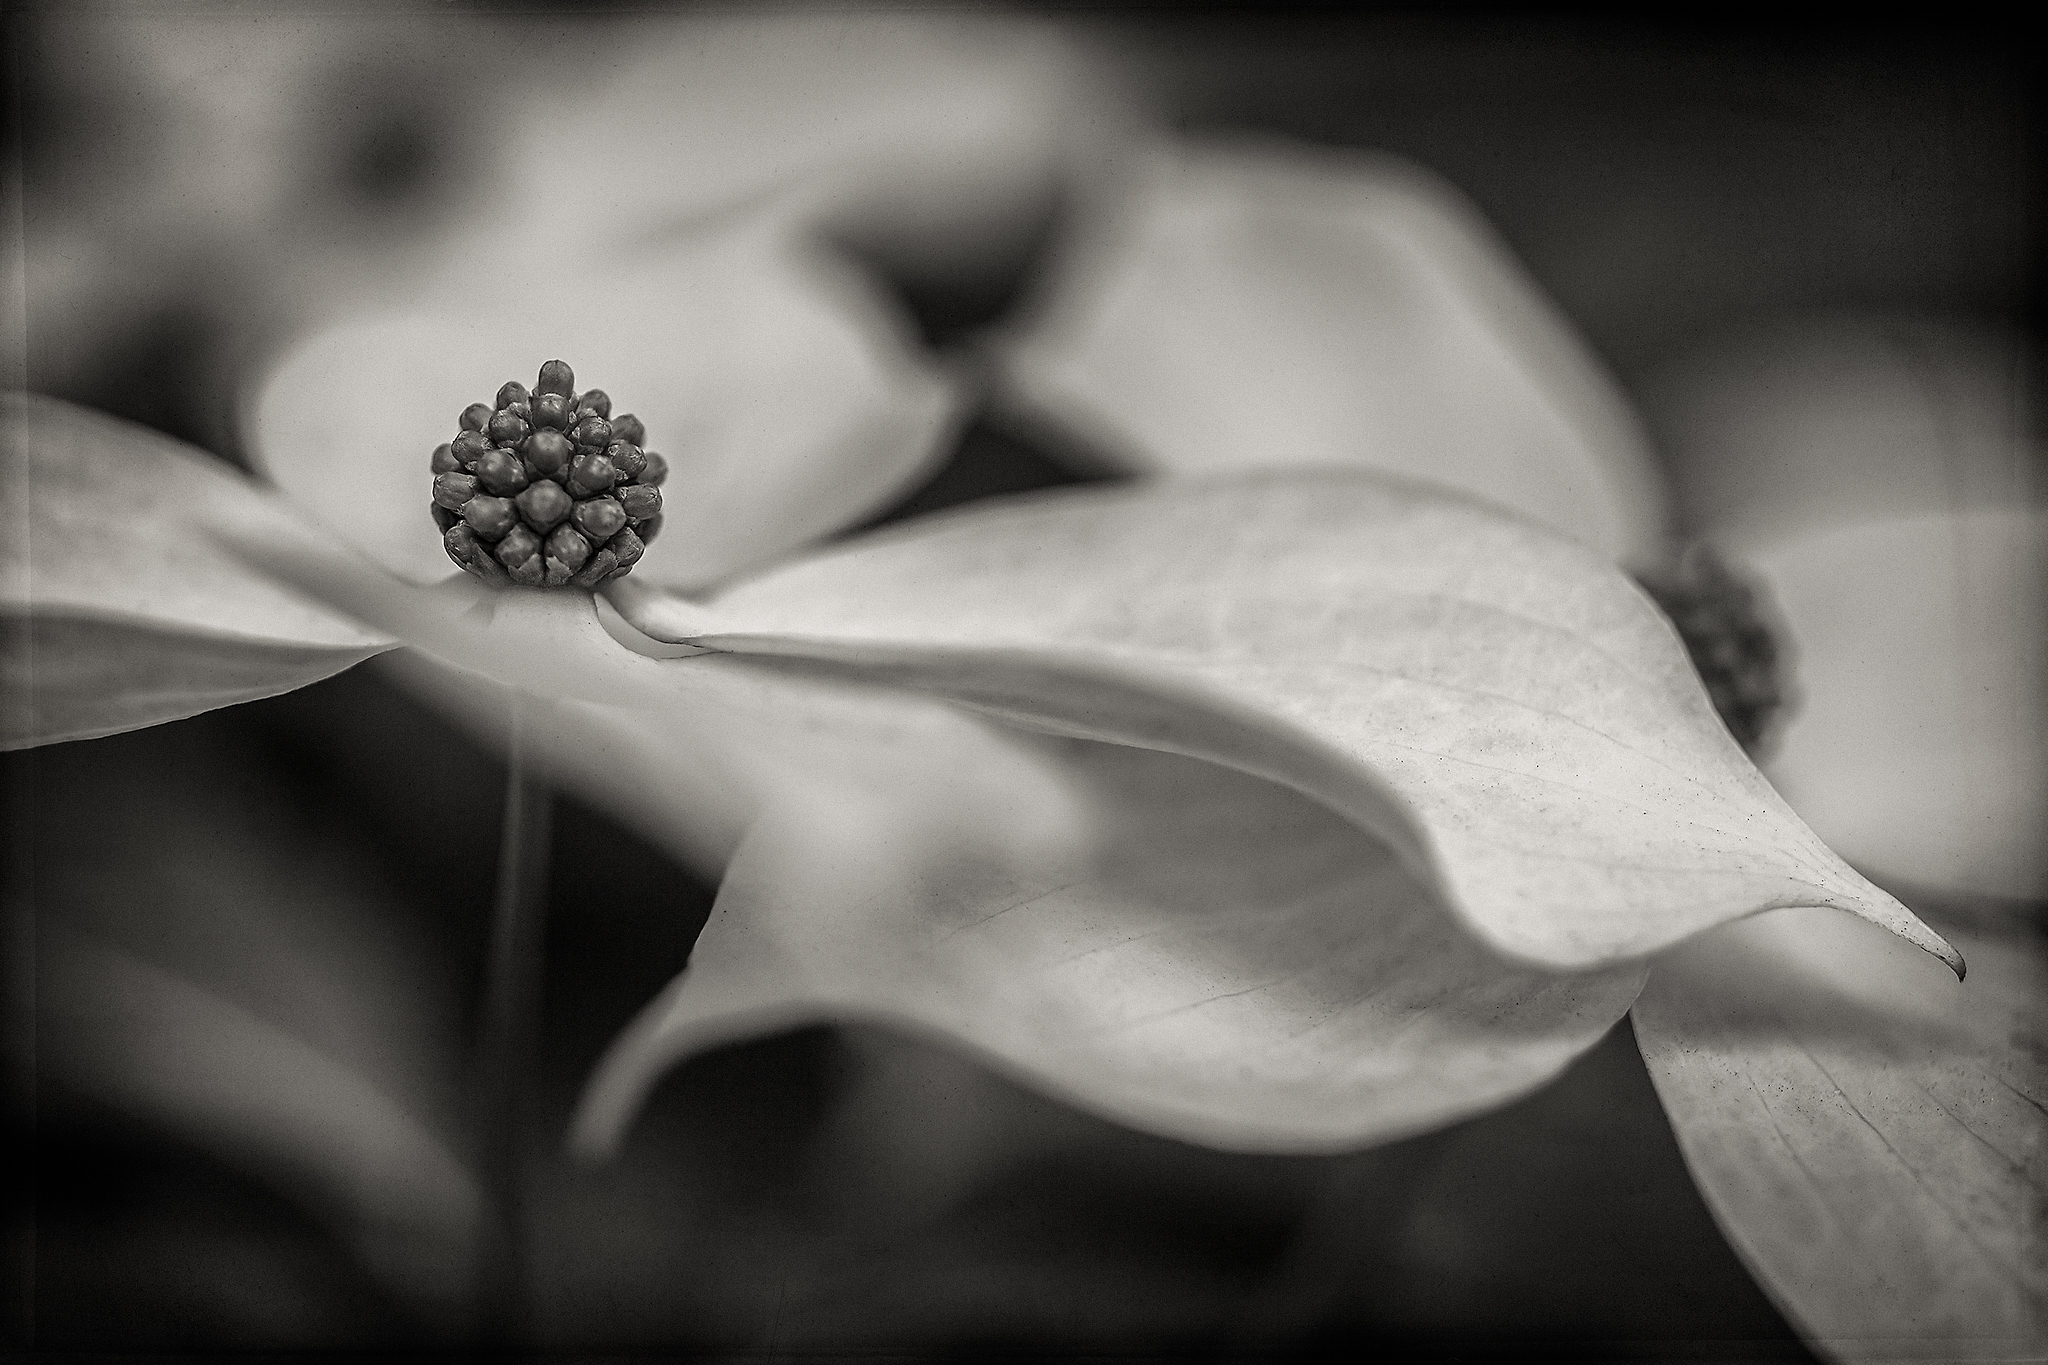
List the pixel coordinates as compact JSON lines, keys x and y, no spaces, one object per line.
{"x":1328,"y":785}
{"x":1881,"y":472}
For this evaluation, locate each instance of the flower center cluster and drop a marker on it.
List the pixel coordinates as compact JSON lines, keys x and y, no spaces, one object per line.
{"x":1726,"y":630}
{"x":547,"y":488}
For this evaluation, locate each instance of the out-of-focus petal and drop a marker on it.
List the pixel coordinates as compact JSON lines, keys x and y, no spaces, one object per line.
{"x":1503,"y":707}
{"x":934,"y":138}
{"x":1846,"y":418}
{"x":242,"y":980}
{"x":155,"y":1044}
{"x":1920,"y":746}
{"x":199,"y":178}
{"x":688,"y":264}
{"x":1882,"y":476}
{"x":1218,"y":960}
{"x":1250,"y":307}
{"x":1867,"y":1130}
{"x":118,"y":611}
{"x":769,"y":374}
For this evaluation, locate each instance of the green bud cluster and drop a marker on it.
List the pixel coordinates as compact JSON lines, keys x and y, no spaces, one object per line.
{"x":1726,"y":629}
{"x":545,"y":488}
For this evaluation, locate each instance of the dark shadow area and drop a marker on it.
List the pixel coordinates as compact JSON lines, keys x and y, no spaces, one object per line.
{"x":146,"y":1245}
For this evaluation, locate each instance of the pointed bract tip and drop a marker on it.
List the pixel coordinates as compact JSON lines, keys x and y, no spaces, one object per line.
{"x":1920,"y":936}
{"x":1877,"y":906}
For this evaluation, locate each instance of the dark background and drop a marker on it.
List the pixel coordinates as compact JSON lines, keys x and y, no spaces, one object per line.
{"x":837,"y":1191}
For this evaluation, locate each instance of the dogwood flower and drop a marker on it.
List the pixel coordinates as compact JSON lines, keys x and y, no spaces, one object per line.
{"x":1286,"y":810}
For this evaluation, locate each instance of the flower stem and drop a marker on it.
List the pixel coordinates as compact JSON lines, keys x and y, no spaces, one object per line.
{"x":511,"y":1007}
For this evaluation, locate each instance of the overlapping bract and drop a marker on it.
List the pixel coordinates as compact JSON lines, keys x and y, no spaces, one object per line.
{"x":1506,"y":710}
{"x":1216,"y":957}
{"x":884,"y":824}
